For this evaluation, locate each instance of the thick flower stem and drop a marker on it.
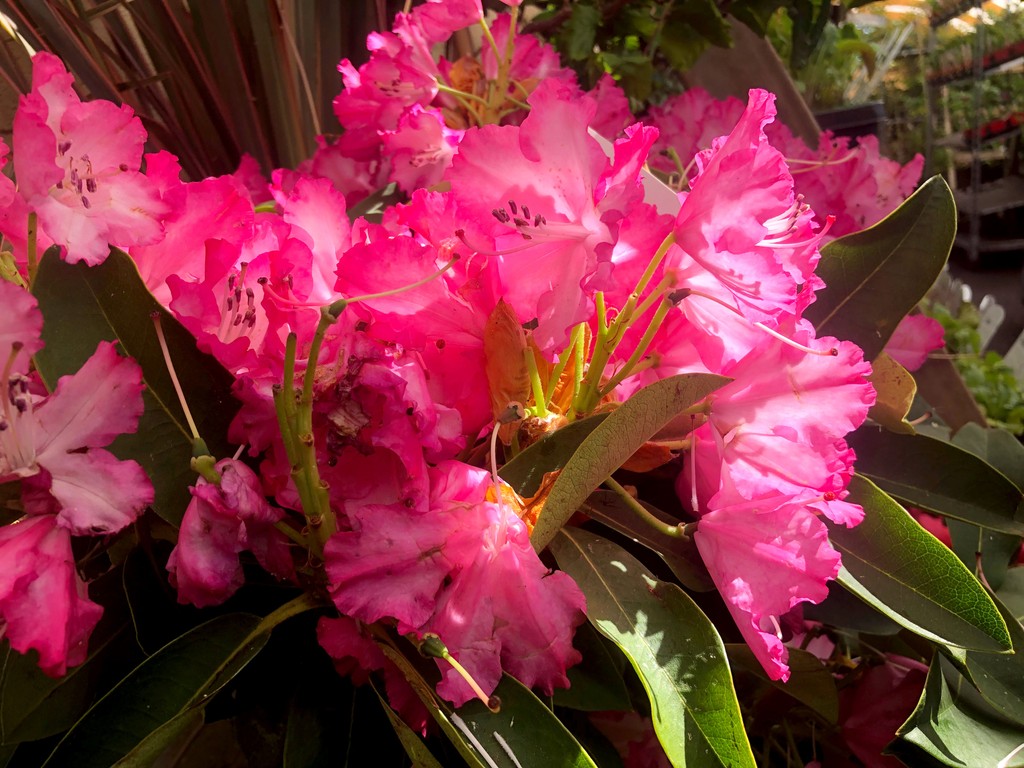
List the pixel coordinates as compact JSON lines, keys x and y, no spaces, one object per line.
{"x":675,"y":531}
{"x":641,"y":348}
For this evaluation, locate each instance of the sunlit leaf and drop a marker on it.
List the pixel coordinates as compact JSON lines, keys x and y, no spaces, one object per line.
{"x":875,"y":277}
{"x":616,"y":439}
{"x":898,"y":568}
{"x":894,"y":389}
{"x":673,"y":647}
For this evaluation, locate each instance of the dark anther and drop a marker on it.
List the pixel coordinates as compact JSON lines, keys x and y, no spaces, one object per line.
{"x":362,"y":325}
{"x":409,"y":503}
{"x":513,"y":207}
{"x":834,"y":352}
{"x":85,"y":201}
{"x":63,"y":147}
{"x":537,"y":220}
{"x":531,"y":325}
{"x":676,"y":296}
{"x":123,"y":167}
{"x":440,"y":343}
{"x":410,"y":411}
{"x":60,"y":184}
{"x":526,"y":212}
{"x":519,"y":222}
{"x":90,"y":184}
{"x":263,"y":280}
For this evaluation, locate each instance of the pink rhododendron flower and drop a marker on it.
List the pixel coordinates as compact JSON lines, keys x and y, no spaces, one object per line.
{"x":765,"y":557}
{"x":688,"y":124}
{"x":464,"y":570}
{"x":613,"y":113}
{"x":913,"y":339}
{"x":77,"y":165}
{"x":43,"y":602}
{"x":222,"y":520}
{"x":56,"y":445}
{"x":555,"y":201}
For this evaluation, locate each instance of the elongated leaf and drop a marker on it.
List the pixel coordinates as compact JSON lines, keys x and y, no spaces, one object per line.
{"x":998,"y":677}
{"x":523,"y":733}
{"x":809,"y":682}
{"x":186,"y":671}
{"x":596,"y":683}
{"x":526,"y":471}
{"x":944,"y":730}
{"x":413,"y":745}
{"x":939,"y":477}
{"x":178,"y":729}
{"x":1012,"y":592}
{"x":615,"y":440}
{"x":85,"y":305}
{"x":898,"y":568}
{"x":1005,"y":453}
{"x":671,"y":644}
{"x":875,"y":277}
{"x":681,"y":556}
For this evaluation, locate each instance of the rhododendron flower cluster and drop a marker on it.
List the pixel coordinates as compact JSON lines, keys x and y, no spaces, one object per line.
{"x":387,"y":368}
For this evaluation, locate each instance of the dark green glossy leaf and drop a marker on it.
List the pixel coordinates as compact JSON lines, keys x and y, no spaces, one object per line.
{"x":523,"y":733}
{"x":898,"y":568}
{"x":184,"y":673}
{"x":939,"y":477}
{"x":413,"y":745}
{"x":1012,"y":592}
{"x":596,"y":683}
{"x":999,"y":677}
{"x":613,"y":441}
{"x":846,"y":611}
{"x":945,"y":730}
{"x":85,"y":305}
{"x":526,"y":471}
{"x":1003,"y":451}
{"x":671,"y":644}
{"x":681,"y":556}
{"x":875,"y":277}
{"x":809,"y":682}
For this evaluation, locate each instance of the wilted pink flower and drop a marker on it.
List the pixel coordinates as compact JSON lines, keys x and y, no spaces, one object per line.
{"x":223,"y":520}
{"x":77,"y":166}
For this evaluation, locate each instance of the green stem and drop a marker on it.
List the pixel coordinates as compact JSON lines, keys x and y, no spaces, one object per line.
{"x":563,"y":360}
{"x":675,"y":531}
{"x":293,"y":534}
{"x":641,"y":347}
{"x":268,"y":207}
{"x":540,"y":401}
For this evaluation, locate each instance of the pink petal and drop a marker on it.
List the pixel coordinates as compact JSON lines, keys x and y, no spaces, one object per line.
{"x":43,"y":604}
{"x":91,"y":407}
{"x":97,"y":492}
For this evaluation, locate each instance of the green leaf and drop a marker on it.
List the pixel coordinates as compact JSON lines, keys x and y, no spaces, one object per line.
{"x":945,"y":730}
{"x":615,"y":440}
{"x":84,"y":305}
{"x":1003,"y":451}
{"x":898,"y":568}
{"x":413,"y":745}
{"x":680,"y":555}
{"x":998,"y":677}
{"x":526,"y":471}
{"x":579,"y":31}
{"x":939,"y":477}
{"x":183,"y":674}
{"x":176,"y":731}
{"x":875,"y":277}
{"x":523,"y":733}
{"x":595,"y":684}
{"x":671,"y":644}
{"x":846,"y":611}
{"x":809,"y":682}
{"x":1012,"y":591}
{"x":690,"y":27}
